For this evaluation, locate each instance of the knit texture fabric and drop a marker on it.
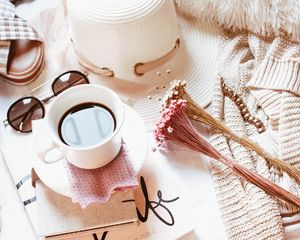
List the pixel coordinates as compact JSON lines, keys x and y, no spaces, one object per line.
{"x":96,"y":185}
{"x":265,"y":73}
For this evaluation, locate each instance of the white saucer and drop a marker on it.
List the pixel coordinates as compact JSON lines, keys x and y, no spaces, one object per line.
{"x":54,"y":175}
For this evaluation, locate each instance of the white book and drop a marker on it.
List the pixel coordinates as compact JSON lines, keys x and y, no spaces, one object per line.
{"x":163,"y":210}
{"x":60,"y":218}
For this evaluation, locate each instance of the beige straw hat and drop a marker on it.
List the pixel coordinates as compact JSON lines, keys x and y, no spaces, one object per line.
{"x":136,"y":47}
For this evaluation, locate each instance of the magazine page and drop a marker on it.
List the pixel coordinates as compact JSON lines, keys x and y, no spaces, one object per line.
{"x":163,"y":210}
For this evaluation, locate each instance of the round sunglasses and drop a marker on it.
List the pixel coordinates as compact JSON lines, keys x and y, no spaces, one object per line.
{"x":22,"y":112}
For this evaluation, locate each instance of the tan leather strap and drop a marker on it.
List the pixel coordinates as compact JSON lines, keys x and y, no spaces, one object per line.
{"x":139,"y":68}
{"x":104,"y":71}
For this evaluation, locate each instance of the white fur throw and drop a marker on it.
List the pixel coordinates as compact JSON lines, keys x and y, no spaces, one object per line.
{"x":265,"y":17}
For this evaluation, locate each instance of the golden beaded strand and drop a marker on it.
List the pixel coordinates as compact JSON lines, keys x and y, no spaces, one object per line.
{"x":243,"y":108}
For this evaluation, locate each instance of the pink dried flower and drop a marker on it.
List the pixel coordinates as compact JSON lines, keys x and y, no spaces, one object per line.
{"x":164,"y":124}
{"x":175,"y":126}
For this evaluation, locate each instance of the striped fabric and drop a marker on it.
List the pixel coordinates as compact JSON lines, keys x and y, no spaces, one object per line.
{"x":12,"y":28}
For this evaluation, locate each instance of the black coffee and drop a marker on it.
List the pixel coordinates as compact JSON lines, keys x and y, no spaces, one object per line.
{"x":86,"y":124}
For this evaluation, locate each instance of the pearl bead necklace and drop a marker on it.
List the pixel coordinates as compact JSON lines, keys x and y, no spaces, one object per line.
{"x":243,"y":108}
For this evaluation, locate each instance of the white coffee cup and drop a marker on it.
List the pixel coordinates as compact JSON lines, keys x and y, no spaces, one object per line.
{"x":90,"y":157}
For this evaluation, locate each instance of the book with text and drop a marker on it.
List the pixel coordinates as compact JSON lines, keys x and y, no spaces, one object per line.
{"x":161,"y":206}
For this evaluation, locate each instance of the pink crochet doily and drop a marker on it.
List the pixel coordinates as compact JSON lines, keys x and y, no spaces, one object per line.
{"x":96,"y":185}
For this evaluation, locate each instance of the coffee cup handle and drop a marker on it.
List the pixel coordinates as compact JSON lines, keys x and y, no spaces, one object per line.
{"x":45,"y":150}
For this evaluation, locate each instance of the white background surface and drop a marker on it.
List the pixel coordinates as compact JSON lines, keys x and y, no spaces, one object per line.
{"x":14,"y":222}
{"x":13,"y":219}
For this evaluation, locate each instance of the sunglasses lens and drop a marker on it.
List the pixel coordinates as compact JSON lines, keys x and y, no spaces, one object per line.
{"x":22,"y":112}
{"x":67,"y":80}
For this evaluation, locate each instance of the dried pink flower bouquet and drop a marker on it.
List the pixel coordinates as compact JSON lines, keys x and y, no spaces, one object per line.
{"x":174,"y":126}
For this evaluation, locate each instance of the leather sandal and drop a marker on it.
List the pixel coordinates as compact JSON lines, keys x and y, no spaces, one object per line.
{"x":21,"y":48}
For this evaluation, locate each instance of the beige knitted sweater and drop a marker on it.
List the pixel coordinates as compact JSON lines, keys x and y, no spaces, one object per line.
{"x":266,"y":73}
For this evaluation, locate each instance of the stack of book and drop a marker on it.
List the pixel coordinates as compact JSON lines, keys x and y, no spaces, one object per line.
{"x":164,"y":211}
{"x":55,"y":216}
{"x":59,"y":218}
